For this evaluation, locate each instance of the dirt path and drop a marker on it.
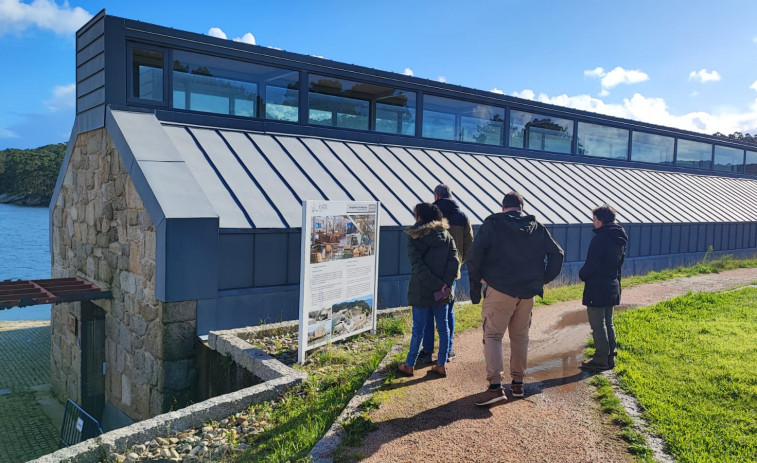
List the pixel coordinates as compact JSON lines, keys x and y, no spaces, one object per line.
{"x":434,"y":420}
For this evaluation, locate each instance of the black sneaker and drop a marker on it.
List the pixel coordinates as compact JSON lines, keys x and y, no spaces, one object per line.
{"x":490,"y":396}
{"x":424,"y":359}
{"x":592,"y":365}
{"x":451,"y":355}
{"x":517,"y":389}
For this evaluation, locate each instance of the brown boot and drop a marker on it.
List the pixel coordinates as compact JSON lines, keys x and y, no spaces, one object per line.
{"x":440,"y":370}
{"x":405,"y":369}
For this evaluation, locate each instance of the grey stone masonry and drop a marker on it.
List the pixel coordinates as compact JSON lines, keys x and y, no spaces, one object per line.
{"x":101,"y":232}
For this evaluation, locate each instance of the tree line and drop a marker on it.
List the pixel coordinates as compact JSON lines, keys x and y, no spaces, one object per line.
{"x":31,"y":172}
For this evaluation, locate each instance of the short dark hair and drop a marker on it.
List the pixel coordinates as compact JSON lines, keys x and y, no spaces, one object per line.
{"x":442,"y":190}
{"x":513,"y":199}
{"x":427,"y":212}
{"x":604,"y":213}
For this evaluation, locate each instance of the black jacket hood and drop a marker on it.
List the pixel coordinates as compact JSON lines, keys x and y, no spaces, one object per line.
{"x":615,"y":232}
{"x":516,"y":222}
{"x":447,"y":206}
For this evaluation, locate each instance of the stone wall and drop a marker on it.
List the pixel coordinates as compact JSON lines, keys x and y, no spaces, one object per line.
{"x":101,"y":232}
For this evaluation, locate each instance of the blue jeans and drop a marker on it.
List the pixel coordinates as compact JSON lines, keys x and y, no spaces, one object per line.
{"x":422,"y":316}
{"x":428,"y":334}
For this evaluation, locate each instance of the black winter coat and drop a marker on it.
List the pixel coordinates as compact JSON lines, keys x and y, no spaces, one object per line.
{"x":433,"y":262}
{"x":601,"y":271}
{"x":509,"y":253}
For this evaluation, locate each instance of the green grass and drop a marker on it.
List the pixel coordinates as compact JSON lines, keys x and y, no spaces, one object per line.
{"x":611,"y":405}
{"x":692,"y":364}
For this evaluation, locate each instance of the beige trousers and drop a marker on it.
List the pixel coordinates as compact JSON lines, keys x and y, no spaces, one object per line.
{"x":501,"y":313}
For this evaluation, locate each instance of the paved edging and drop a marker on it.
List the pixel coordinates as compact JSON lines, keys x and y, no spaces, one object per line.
{"x":322,"y":452}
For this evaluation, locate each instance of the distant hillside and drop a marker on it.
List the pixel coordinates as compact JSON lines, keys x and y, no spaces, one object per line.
{"x":29,"y":176}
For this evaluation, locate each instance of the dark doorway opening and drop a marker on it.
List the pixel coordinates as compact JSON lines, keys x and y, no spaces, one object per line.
{"x":93,"y":359}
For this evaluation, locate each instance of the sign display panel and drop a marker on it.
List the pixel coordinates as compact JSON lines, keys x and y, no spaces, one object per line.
{"x":339,"y":272}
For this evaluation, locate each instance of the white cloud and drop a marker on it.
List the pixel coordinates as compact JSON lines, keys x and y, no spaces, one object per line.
{"x":5,"y":133}
{"x":246,"y":38}
{"x":655,"y":111}
{"x":754,"y":86}
{"x":216,"y":32}
{"x":16,"y":16}
{"x":694,"y":93}
{"x":496,"y":90}
{"x":704,"y":76}
{"x":64,"y":96}
{"x":616,"y":77}
{"x":408,"y":72}
{"x":442,"y":79}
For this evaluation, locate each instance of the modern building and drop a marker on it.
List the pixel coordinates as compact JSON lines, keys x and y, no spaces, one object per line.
{"x":190,"y":157}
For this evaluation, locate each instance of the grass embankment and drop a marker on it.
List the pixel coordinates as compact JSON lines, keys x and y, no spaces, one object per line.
{"x":692,"y":364}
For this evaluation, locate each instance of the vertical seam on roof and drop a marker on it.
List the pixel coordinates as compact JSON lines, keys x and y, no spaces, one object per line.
{"x":390,"y":190}
{"x":368,"y":190}
{"x":220,"y":177}
{"x":512,"y":179}
{"x":399,"y":177}
{"x":579,"y":187}
{"x":663,"y":181}
{"x":253,"y":179}
{"x":562,"y":213}
{"x":604,"y":194}
{"x":272,"y":166}
{"x":554,"y":187}
{"x":710,"y":186}
{"x":391,"y":152}
{"x":641,"y":197}
{"x":352,"y":198}
{"x":294,"y":161}
{"x":642,"y":211}
{"x":673,"y":202}
{"x":642,"y":193}
{"x":462,"y":159}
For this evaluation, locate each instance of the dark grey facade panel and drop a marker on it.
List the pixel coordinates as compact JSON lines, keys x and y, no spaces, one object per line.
{"x":186,"y":259}
{"x":634,"y":240}
{"x":733,"y":236}
{"x":717,"y":242}
{"x":655,"y":245}
{"x":573,"y":244}
{"x":560,"y":234}
{"x":389,"y":253}
{"x":709,"y":239}
{"x":89,"y":101}
{"x":91,"y":67}
{"x":294,"y":258}
{"x":665,"y":239}
{"x":309,"y":164}
{"x":90,"y":119}
{"x":686,"y":232}
{"x":229,"y":212}
{"x":270,"y":267}
{"x":91,"y":31}
{"x":645,"y":248}
{"x":257,"y":170}
{"x":694,"y":238}
{"x":586,"y":235}
{"x":250,"y":195}
{"x":92,"y":49}
{"x":90,"y":84}
{"x":702,"y":237}
{"x":235,"y":257}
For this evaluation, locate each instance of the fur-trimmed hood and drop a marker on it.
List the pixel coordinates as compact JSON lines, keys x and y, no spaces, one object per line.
{"x":424,"y":229}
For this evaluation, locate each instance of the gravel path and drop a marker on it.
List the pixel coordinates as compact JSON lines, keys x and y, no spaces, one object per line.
{"x":434,"y":420}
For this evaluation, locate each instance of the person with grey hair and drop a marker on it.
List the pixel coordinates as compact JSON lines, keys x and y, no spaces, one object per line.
{"x":462,"y":232}
{"x":508,"y":256}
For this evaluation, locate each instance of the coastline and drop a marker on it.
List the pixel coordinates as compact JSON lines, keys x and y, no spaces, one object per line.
{"x":24,"y":200}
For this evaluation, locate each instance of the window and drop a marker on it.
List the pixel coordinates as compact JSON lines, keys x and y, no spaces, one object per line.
{"x":450,"y":119}
{"x":729,"y":159}
{"x":601,"y":141}
{"x":147,"y":74}
{"x":395,"y":112}
{"x":647,"y":147}
{"x":541,"y":133}
{"x":750,"y":166}
{"x":694,"y":154}
{"x":222,"y":86}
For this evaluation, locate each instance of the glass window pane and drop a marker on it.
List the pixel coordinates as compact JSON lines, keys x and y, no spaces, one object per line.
{"x":602,"y":141}
{"x":647,"y":147}
{"x":450,"y":119}
{"x":217,"y":85}
{"x":751,"y":162}
{"x":694,"y":154}
{"x":395,"y":112}
{"x":338,"y":103}
{"x":541,"y":133}
{"x":729,"y":159}
{"x":147,"y":74}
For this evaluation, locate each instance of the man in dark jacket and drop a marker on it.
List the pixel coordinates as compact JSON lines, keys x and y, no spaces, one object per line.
{"x":508,"y":256}
{"x":601,"y":274}
{"x":462,"y":232}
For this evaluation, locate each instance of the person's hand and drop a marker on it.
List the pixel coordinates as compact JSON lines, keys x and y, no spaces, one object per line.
{"x":483,"y":282}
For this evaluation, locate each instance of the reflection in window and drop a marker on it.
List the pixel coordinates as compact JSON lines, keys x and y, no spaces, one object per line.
{"x":541,"y":133}
{"x":221,"y":86}
{"x":647,"y":147}
{"x":750,"y":166}
{"x":449,"y":119}
{"x":694,"y":154}
{"x":601,"y":141}
{"x":729,"y":159}
{"x":395,"y":112}
{"x":147,"y":74}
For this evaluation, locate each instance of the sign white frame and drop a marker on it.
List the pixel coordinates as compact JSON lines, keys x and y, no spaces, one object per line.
{"x":338,"y":269}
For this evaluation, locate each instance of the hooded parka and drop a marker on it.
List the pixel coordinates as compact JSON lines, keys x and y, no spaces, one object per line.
{"x":601,"y":271}
{"x":433,"y":262}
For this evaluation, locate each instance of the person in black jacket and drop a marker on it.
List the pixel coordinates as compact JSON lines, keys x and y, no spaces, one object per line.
{"x":508,"y":256}
{"x":601,"y":274}
{"x":433,"y":263}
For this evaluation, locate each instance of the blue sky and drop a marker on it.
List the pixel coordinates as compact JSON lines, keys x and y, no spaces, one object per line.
{"x":688,"y":64}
